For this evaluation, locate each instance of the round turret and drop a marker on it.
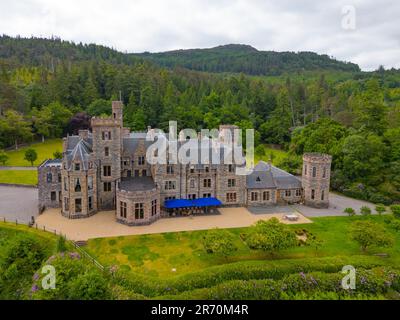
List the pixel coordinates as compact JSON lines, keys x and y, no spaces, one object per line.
{"x":316,"y":179}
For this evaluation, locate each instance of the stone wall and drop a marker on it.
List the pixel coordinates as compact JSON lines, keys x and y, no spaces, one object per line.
{"x":260,"y":197}
{"x":133,"y":197}
{"x":46,"y":188}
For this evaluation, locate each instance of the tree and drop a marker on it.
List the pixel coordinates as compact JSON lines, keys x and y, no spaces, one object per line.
{"x":271,"y":236}
{"x":80,"y":121}
{"x":31,"y":155}
{"x":3,"y":157}
{"x":350,"y":211}
{"x":260,"y":150}
{"x":365,"y":211}
{"x":15,"y":128}
{"x":99,"y":107}
{"x":368,"y":233}
{"x":57,"y":155}
{"x":220,"y":242}
{"x":380,"y":208}
{"x":395,"y":210}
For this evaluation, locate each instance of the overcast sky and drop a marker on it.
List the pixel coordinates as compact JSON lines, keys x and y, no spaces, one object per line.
{"x":370,"y":40}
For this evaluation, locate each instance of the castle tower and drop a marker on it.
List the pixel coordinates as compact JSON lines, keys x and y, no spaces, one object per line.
{"x":316,"y":179}
{"x":107,"y":136}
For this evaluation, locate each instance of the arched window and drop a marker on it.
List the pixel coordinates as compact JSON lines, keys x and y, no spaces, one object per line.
{"x":322,"y":195}
{"x":77,"y":185}
{"x":106,"y":151}
{"x":324,"y":173}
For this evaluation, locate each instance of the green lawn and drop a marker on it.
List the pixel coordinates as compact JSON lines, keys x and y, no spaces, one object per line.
{"x":157,"y":254}
{"x":278,"y":155}
{"x":19,"y":177}
{"x":44,"y":150}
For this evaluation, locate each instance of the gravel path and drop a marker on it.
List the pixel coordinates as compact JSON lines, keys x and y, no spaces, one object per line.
{"x":103,"y":224}
{"x":337,"y":203}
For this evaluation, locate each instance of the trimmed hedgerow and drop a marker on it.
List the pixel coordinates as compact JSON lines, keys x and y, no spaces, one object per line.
{"x":246,"y":270}
{"x":373,"y":283}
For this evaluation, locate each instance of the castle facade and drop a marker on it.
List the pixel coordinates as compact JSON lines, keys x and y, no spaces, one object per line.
{"x":108,"y":169}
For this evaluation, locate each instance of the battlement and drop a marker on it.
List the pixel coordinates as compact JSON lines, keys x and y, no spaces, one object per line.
{"x":105,"y":122}
{"x":317,"y":157}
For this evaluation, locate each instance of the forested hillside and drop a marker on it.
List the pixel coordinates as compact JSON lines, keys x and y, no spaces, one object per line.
{"x":236,"y":58}
{"x":50,"y":87}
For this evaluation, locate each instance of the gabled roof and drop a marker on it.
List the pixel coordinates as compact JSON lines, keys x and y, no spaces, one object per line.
{"x":267,"y":176}
{"x":260,"y":179}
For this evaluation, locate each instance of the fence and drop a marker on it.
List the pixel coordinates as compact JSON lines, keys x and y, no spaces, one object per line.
{"x":32,"y":224}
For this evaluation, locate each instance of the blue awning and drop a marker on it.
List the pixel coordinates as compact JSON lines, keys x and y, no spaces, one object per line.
{"x":177,"y":203}
{"x":206,"y":202}
{"x":185,"y":203}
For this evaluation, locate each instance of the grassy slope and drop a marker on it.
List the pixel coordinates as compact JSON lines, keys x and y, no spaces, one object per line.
{"x":10,"y":230}
{"x":44,"y":150}
{"x":278,"y":155}
{"x":28,"y":177}
{"x":156,"y":255}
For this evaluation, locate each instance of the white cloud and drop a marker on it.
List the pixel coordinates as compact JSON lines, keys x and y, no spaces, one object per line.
{"x":159,"y":25}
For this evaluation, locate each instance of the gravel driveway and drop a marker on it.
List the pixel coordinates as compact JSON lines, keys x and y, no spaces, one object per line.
{"x":337,"y":203}
{"x":18,"y":203}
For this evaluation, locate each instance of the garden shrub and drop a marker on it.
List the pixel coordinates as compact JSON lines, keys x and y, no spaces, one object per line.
{"x":365,"y":211}
{"x":395,"y":210}
{"x":75,"y":279}
{"x":23,"y":255}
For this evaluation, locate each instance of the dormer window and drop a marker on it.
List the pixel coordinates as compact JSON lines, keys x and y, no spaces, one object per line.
{"x":77,"y":166}
{"x":258,"y":179}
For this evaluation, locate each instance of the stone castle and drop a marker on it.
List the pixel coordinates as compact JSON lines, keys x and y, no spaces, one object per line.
{"x":107,"y":169}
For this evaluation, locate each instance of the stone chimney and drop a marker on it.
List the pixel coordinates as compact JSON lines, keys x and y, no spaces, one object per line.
{"x":83,"y":134}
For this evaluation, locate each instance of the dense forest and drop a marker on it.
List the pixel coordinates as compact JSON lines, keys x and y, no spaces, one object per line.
{"x":51,"y":87}
{"x":242,"y":58}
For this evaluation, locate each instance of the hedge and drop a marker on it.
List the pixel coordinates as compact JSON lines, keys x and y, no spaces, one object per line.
{"x":370,"y":284}
{"x":246,"y":270}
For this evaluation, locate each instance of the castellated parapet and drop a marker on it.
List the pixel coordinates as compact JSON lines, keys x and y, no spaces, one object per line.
{"x":316,"y":179}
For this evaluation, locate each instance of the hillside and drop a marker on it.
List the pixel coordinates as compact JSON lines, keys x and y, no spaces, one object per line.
{"x":47,"y":52}
{"x":246,"y":59}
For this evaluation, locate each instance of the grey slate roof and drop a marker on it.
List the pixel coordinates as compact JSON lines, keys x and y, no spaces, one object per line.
{"x":271,"y":177}
{"x":137,"y":184}
{"x":81,"y":152}
{"x":260,"y":180}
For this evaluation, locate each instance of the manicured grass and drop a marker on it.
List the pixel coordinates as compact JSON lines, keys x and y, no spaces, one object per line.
{"x":158,"y":254}
{"x":28,"y":177}
{"x":278,"y":155}
{"x":44,"y":150}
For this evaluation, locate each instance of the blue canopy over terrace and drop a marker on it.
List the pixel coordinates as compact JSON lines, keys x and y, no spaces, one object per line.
{"x":195,"y":203}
